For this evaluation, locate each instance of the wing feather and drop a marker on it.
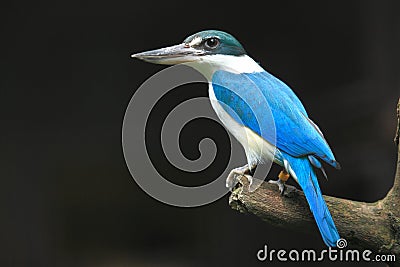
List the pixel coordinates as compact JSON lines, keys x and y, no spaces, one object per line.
{"x":284,"y":122}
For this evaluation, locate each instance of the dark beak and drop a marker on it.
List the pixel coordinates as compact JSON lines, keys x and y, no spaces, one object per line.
{"x":181,"y":53}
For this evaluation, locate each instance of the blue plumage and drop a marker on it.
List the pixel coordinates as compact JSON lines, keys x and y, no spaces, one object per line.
{"x":268,"y":109}
{"x":307,"y":180}
{"x":287,"y":126}
{"x":296,"y":134}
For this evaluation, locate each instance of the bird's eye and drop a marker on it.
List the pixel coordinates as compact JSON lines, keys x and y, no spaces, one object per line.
{"x":212,"y":42}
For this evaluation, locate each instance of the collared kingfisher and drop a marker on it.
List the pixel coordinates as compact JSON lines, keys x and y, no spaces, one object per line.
{"x":236,"y":84}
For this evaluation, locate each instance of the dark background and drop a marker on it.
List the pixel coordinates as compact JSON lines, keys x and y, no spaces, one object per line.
{"x":67,"y":198}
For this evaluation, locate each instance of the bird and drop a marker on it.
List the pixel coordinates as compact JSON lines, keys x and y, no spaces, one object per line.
{"x":261,"y":112}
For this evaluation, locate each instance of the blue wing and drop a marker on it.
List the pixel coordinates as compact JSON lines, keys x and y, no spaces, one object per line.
{"x":295,"y":135}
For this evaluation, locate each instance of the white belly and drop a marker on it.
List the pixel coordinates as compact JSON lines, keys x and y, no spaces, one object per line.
{"x":257,"y":149}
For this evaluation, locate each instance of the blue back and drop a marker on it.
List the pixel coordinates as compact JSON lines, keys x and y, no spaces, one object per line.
{"x":295,"y":134}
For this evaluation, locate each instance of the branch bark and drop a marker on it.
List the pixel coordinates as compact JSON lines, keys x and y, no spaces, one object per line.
{"x":374,"y":226}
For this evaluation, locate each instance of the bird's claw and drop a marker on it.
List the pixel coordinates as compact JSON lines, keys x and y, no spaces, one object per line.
{"x":284,"y":189}
{"x":281,"y":185}
{"x":232,"y":178}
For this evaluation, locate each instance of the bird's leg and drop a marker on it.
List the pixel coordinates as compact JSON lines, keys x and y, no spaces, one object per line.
{"x":282,"y":178}
{"x":245,"y":171}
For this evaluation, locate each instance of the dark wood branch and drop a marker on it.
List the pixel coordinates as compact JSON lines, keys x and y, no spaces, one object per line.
{"x":397,"y":135}
{"x":374,"y":226}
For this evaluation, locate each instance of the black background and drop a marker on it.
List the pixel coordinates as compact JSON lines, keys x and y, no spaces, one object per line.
{"x":67,"y":198}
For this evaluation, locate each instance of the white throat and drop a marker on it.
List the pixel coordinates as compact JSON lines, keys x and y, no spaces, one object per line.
{"x":207,"y":65}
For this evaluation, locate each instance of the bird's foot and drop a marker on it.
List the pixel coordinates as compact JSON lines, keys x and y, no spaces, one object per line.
{"x":245,"y":171}
{"x":281,"y":185}
{"x":284,"y":189}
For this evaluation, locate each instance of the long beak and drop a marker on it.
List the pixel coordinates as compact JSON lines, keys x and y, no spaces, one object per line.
{"x":176,"y":54}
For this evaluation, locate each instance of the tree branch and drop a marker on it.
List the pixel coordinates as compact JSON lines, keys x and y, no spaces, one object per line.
{"x":374,"y":226}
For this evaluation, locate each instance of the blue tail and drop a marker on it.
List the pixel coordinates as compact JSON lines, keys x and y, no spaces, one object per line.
{"x":307,"y":180}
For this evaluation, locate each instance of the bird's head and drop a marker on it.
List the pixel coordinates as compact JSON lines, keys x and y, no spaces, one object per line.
{"x":196,"y":48}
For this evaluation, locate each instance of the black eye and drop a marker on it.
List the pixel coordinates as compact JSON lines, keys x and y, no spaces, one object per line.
{"x":212,"y":42}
